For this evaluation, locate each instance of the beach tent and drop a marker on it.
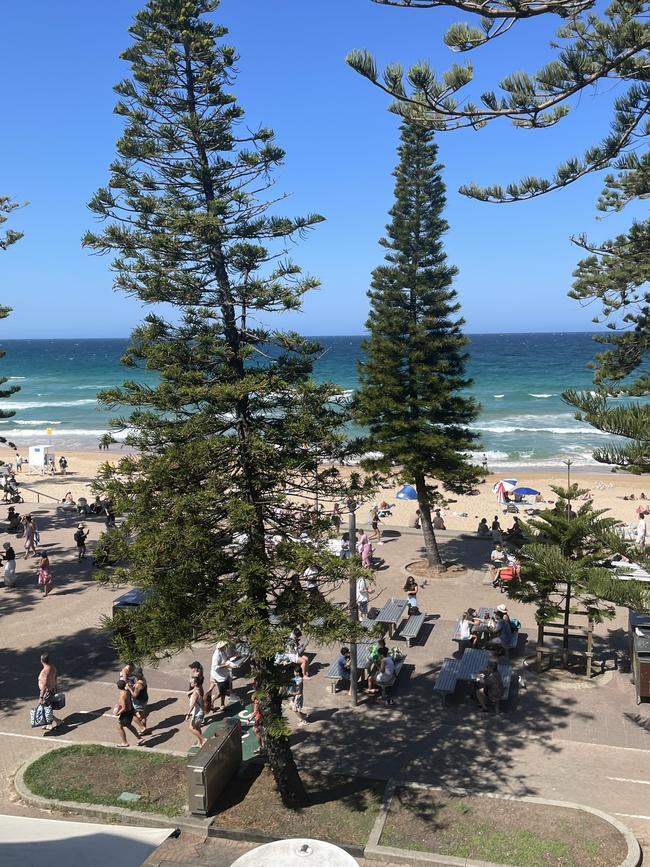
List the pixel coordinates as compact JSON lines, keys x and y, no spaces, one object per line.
{"x":408,"y":492}
{"x":43,"y":842}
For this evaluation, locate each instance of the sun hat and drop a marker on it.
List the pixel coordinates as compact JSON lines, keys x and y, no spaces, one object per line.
{"x":221,"y":644}
{"x":81,"y":526}
{"x":501,"y":607}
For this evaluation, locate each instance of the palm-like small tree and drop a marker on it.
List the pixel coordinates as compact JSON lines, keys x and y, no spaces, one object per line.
{"x":567,"y":563}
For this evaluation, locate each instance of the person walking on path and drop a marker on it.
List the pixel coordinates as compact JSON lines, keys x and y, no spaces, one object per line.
{"x":30,"y":536}
{"x":47,"y":687}
{"x":363,"y":597}
{"x":63,"y":465}
{"x":195,"y":714}
{"x":80,"y":538}
{"x":375,"y":522}
{"x":10,"y":565}
{"x":124,"y":712}
{"x":139,"y":697}
{"x":45,"y":573}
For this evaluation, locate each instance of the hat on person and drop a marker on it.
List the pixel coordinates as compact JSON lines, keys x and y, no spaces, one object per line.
{"x":221,"y":644}
{"x":502,"y":608}
{"x":81,"y":526}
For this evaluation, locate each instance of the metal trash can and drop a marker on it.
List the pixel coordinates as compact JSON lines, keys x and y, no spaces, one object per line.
{"x":211,"y":769}
{"x":639,"y":633}
{"x":297,"y":853}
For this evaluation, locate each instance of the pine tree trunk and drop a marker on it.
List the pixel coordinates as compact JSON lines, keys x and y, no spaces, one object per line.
{"x":281,"y":761}
{"x":431,"y":545}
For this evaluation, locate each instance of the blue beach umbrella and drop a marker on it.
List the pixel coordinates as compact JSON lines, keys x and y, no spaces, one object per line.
{"x":408,"y":492}
{"x":526,"y":492}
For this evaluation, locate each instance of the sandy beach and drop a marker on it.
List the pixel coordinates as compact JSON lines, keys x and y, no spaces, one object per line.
{"x":462,"y":513}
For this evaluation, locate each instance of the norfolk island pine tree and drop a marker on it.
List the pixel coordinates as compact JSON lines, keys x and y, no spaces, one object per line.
{"x":235,"y":420}
{"x":412,"y":381}
{"x":593,"y":46}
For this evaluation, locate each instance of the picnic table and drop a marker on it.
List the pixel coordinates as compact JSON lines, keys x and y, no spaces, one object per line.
{"x":473,"y":661}
{"x":392,"y":613}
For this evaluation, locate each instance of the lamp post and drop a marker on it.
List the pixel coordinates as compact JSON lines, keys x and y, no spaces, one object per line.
{"x":568,"y":462}
{"x":354,"y":613}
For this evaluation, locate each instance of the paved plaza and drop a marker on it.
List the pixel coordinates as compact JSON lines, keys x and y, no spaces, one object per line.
{"x":566,"y":740}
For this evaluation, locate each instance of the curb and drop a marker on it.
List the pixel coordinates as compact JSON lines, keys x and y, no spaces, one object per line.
{"x":112,"y":814}
{"x":260,"y":837}
{"x":412,"y":857}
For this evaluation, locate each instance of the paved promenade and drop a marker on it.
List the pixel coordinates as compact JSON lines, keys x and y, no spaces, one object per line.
{"x":566,"y":741}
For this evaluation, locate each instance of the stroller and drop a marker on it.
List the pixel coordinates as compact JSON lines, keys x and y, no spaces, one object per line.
{"x":504,"y":576}
{"x":11,"y":492}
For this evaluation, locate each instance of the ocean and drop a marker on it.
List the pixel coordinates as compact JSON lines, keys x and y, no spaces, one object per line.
{"x":518,"y":379}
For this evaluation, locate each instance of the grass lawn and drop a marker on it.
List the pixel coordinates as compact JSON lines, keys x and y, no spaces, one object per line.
{"x":342,"y":809}
{"x":503,"y":832}
{"x":99,"y":775}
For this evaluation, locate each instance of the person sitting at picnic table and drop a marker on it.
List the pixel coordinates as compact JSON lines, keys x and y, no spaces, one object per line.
{"x":479,"y":629}
{"x":483,"y":531}
{"x":465,"y":628}
{"x":502,"y":632}
{"x":385,"y":675}
{"x":343,"y":664}
{"x":490,"y":685}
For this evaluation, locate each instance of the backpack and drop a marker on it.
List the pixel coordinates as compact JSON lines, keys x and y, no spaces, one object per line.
{"x":515,"y":625}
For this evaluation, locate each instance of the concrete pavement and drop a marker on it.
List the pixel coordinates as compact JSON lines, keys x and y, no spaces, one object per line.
{"x":568,"y":741}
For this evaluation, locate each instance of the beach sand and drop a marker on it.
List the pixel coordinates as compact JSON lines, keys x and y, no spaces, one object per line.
{"x":462,"y":513}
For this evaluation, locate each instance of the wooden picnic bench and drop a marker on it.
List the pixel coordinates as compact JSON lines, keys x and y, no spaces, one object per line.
{"x":473,"y":661}
{"x":411,"y":627}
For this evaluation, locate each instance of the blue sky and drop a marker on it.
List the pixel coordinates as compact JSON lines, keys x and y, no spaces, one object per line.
{"x":60,"y":61}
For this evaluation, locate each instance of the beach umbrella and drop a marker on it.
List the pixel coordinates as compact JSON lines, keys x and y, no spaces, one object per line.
{"x":526,"y":492}
{"x":506,"y":484}
{"x":408,"y":492}
{"x":500,"y":491}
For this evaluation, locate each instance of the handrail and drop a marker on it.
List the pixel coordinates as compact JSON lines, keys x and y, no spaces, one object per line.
{"x":40,"y":494}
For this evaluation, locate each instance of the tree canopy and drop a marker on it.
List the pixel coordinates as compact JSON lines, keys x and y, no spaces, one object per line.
{"x":219,"y":495}
{"x":414,"y":373}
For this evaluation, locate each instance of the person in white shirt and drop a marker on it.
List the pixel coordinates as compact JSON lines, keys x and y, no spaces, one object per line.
{"x":362,"y":597}
{"x":385,"y":675}
{"x":221,"y":673}
{"x":641,"y":531}
{"x":498,"y":559}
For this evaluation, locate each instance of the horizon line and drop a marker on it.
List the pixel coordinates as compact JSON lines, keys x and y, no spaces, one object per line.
{"x":362,"y":334}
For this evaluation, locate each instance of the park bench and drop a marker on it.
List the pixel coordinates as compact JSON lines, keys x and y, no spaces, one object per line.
{"x":411,"y":627}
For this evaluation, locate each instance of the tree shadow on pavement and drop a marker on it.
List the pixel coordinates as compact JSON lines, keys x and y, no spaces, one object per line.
{"x":420,"y":740}
{"x":79,"y":658}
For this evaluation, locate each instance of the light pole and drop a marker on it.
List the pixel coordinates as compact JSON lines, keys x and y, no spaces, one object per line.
{"x":354,"y":612}
{"x":568,"y":462}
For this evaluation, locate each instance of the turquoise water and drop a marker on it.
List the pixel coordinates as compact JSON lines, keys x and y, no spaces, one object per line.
{"x":518,"y":379}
